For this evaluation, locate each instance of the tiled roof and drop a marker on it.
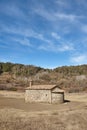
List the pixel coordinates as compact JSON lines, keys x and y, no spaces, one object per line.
{"x":44,"y":87}
{"x":41,"y":87}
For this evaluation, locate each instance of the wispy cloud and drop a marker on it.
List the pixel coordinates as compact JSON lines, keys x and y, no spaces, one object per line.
{"x":12,"y":10}
{"x":44,"y":13}
{"x":25,"y":32}
{"x":55,"y":26}
{"x":55,"y":35}
{"x":61,"y":3}
{"x":70,"y":17}
{"x":3,"y":46}
{"x":53,"y":15}
{"x":64,"y":20}
{"x":82,"y":3}
{"x":52,"y":47}
{"x":22,"y":41}
{"x":58,"y":44}
{"x":79,"y":59}
{"x":84,"y":28}
{"x":66,"y":47}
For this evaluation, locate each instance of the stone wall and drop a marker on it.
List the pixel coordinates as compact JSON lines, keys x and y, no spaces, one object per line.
{"x":57,"y":97}
{"x":56,"y":89}
{"x":38,"y":96}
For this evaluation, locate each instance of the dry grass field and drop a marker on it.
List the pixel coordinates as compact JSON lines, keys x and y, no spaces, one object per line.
{"x":15,"y":114}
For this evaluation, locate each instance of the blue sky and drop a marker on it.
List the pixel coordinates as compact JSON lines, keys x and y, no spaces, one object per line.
{"x":45,"y":33}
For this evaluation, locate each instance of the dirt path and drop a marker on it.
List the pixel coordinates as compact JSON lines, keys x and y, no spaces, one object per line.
{"x":77,"y":101}
{"x":15,"y":114}
{"x":30,"y":107}
{"x":80,"y":97}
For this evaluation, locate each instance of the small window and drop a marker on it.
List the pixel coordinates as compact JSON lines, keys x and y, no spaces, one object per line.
{"x":46,"y":95}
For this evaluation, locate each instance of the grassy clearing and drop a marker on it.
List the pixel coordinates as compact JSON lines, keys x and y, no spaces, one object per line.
{"x":13,"y":119}
{"x":16,"y":115}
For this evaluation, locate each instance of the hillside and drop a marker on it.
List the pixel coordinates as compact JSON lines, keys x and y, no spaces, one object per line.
{"x":17,"y":76}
